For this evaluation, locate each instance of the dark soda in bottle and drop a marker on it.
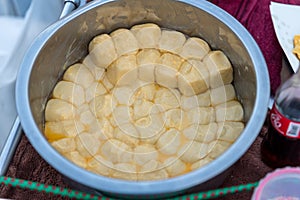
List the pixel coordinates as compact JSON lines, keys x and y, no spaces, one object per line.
{"x":281,"y":145}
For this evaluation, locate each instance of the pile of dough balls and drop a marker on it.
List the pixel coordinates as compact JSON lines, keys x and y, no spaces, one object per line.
{"x":145,"y":104}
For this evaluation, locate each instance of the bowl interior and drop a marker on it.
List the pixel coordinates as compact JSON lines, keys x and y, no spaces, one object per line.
{"x":69,"y":44}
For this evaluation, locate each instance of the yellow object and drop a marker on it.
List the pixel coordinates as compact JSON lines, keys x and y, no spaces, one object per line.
{"x":296,"y":49}
{"x":145,"y":104}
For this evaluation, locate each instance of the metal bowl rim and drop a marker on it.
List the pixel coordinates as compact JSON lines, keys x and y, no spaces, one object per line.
{"x":175,"y":184}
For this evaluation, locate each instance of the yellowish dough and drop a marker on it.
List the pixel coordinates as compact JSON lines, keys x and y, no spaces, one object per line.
{"x":146,"y":103}
{"x":147,"y":35}
{"x":124,"y":41}
{"x":102,"y":51}
{"x":219,"y":67}
{"x":171,"y":41}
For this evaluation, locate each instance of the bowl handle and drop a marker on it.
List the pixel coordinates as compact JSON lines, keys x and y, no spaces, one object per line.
{"x":69,"y":6}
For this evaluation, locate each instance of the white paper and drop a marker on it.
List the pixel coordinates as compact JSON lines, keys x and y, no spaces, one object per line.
{"x":286,"y":21}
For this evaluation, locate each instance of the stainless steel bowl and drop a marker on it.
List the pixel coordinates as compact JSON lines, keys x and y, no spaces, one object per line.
{"x":65,"y":43}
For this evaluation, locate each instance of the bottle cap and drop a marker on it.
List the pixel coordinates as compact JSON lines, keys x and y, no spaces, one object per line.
{"x":281,"y":184}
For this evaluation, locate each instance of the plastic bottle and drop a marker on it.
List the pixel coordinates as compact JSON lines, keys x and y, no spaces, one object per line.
{"x":281,"y":144}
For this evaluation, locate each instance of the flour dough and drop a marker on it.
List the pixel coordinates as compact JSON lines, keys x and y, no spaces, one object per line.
{"x":195,"y":48}
{"x":219,"y":67}
{"x":148,"y":35}
{"x":124,"y":41}
{"x":59,"y":110}
{"x":229,"y":111}
{"x":80,"y":74}
{"x":171,"y":41}
{"x":102,"y":51}
{"x":145,"y":104}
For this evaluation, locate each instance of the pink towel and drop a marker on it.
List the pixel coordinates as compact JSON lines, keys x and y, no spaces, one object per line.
{"x":255,"y":16}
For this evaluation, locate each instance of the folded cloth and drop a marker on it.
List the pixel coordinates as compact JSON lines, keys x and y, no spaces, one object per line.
{"x":28,"y":165}
{"x":255,"y":16}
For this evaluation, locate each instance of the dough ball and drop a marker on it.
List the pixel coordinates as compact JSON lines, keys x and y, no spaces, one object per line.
{"x":222,"y":94}
{"x":193,"y":152}
{"x":148,"y":35}
{"x":80,"y":74}
{"x":229,"y":131}
{"x":87,"y":144}
{"x":190,"y":80}
{"x":169,"y":142}
{"x":194,"y":48}
{"x":99,"y":165}
{"x":64,"y":145}
{"x":144,"y":153}
{"x":116,"y":151}
{"x":229,"y":111}
{"x":59,"y":110}
{"x":102,"y":51}
{"x":219,"y":67}
{"x":171,"y":41}
{"x":125,"y":42}
{"x":125,"y":66}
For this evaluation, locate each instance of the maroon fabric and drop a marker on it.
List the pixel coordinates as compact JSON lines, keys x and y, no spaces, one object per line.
{"x":255,"y":16}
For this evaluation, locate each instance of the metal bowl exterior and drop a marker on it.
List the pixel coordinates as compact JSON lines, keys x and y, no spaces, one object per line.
{"x":65,"y":42}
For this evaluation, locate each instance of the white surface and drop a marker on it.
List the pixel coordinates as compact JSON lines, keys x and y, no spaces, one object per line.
{"x":14,"y":7}
{"x":40,"y":14}
{"x":286,"y":21}
{"x":9,"y":36}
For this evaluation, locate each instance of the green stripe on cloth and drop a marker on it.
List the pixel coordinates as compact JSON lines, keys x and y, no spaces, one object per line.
{"x":25,"y":184}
